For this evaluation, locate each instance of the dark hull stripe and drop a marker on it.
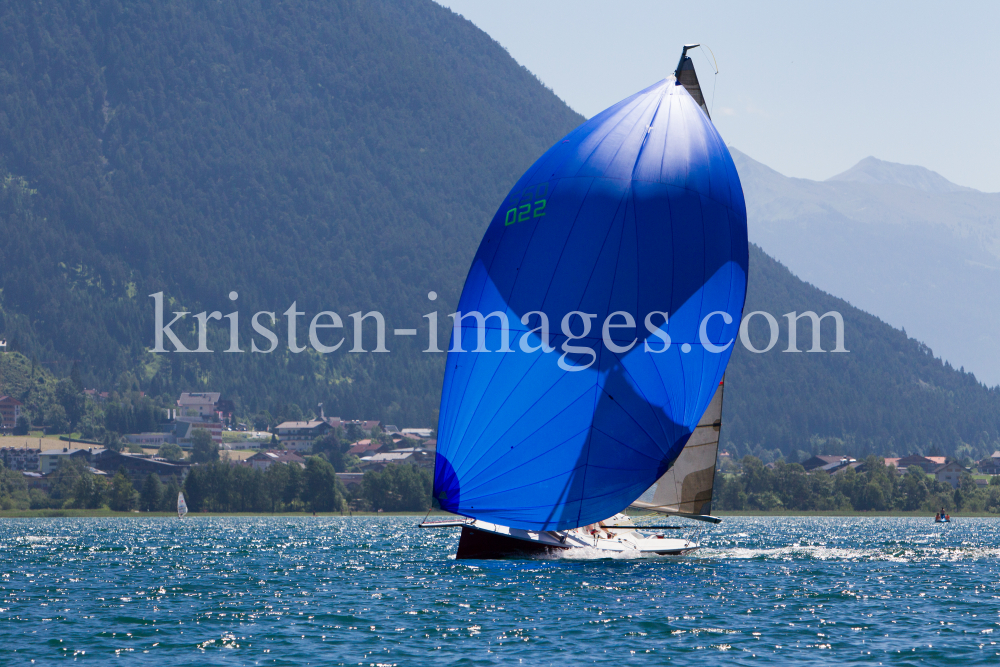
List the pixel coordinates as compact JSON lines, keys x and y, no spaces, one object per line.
{"x":481,"y":544}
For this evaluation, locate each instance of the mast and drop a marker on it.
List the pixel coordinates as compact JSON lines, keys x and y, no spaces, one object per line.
{"x":687,"y":77}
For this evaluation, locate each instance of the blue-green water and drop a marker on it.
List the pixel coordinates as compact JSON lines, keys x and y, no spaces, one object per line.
{"x":370,"y":591}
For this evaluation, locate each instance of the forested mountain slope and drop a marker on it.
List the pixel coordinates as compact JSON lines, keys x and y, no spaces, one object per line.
{"x":888,"y":393}
{"x":345,"y":156}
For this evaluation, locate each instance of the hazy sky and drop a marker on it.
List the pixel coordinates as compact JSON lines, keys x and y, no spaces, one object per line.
{"x":807,"y":88}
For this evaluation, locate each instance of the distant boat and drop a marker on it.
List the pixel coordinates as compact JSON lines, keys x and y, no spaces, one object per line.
{"x":182,"y":507}
{"x":637,"y":218}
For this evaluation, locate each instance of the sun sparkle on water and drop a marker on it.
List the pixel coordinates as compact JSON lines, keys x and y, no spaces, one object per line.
{"x":261,"y":590}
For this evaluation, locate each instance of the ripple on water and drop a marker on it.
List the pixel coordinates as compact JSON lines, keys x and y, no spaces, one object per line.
{"x":261,"y":590}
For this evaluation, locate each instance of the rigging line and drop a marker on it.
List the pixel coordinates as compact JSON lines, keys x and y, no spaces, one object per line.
{"x":715,"y":77}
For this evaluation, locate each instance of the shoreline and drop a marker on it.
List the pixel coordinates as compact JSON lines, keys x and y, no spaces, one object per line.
{"x":93,"y":513}
{"x":80,"y":513}
{"x":850,"y":513}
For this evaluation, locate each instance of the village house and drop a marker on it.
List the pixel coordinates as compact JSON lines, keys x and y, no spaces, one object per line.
{"x":364,"y":447}
{"x":927,"y":463}
{"x":152,"y":440}
{"x":139,"y":466}
{"x":990,"y":465}
{"x":829,"y":463}
{"x":10,"y":410}
{"x":382,"y":459}
{"x":264,"y":460}
{"x":366,"y":426}
{"x":950,"y":473}
{"x":183,"y":427}
{"x":408,"y":456}
{"x":351,"y":479}
{"x":422,"y":433}
{"x":48,"y":459}
{"x":19,"y":458}
{"x":421,"y":457}
{"x":36,"y":480}
{"x":198,"y":404}
{"x":939,"y":467}
{"x":299,"y":436}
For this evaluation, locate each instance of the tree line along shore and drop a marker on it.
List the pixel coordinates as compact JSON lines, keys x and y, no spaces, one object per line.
{"x":872,"y":486}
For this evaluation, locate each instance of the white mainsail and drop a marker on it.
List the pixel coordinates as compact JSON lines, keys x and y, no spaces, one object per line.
{"x":686,"y":488}
{"x":182,"y":507}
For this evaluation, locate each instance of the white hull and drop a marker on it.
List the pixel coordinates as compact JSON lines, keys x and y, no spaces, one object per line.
{"x":481,"y":539}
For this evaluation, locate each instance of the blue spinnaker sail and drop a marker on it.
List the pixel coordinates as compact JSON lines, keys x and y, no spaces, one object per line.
{"x":639,"y":212}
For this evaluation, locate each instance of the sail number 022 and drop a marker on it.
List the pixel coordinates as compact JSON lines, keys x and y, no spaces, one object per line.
{"x":531,"y":204}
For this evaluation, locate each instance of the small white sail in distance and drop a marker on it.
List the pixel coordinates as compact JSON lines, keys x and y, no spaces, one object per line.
{"x":182,"y":507}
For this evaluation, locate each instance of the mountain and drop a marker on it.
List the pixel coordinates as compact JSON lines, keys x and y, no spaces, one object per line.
{"x":347,"y":157}
{"x":873,"y":170}
{"x":342,"y":156}
{"x":887,"y":394}
{"x":894,"y":240}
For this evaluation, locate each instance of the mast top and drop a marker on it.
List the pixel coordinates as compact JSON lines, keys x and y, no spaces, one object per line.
{"x":684,"y":55}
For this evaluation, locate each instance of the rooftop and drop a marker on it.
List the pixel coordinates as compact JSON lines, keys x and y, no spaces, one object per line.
{"x":387,"y":457}
{"x":277,"y":457}
{"x":199,"y":398}
{"x":308,"y":424}
{"x":65,"y":451}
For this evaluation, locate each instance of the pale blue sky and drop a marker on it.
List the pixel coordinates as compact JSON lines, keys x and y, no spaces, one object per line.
{"x":807,"y":88}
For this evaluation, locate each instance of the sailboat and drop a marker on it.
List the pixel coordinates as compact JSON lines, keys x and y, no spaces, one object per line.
{"x":585,"y":372}
{"x":182,"y":507}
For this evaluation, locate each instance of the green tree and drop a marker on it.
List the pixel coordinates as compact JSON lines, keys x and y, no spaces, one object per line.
{"x":168,"y":499}
{"x":151,"y":496}
{"x":321,"y":492}
{"x":89,"y":490}
{"x":331,"y":448}
{"x":398,"y":488}
{"x":277,"y":478}
{"x":354,"y":433}
{"x":729,"y":492}
{"x":203,"y":448}
{"x":22,"y":426}
{"x":13,"y":490}
{"x":71,"y":398}
{"x":113,"y":441}
{"x":263,"y":420}
{"x":58,"y":422}
{"x":170,"y":451}
{"x":913,"y":489}
{"x":123,"y":497}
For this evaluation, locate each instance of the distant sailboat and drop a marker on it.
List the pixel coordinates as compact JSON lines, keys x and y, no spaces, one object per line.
{"x":182,"y":507}
{"x":637,"y":219}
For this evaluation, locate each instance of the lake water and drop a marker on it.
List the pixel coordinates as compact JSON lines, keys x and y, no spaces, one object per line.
{"x":379,"y":591}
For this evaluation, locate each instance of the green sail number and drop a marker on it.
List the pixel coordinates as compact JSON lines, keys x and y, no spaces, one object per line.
{"x":531,"y":204}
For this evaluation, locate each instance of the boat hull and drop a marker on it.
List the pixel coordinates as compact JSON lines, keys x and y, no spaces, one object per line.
{"x":485,"y":541}
{"x":482,"y":544}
